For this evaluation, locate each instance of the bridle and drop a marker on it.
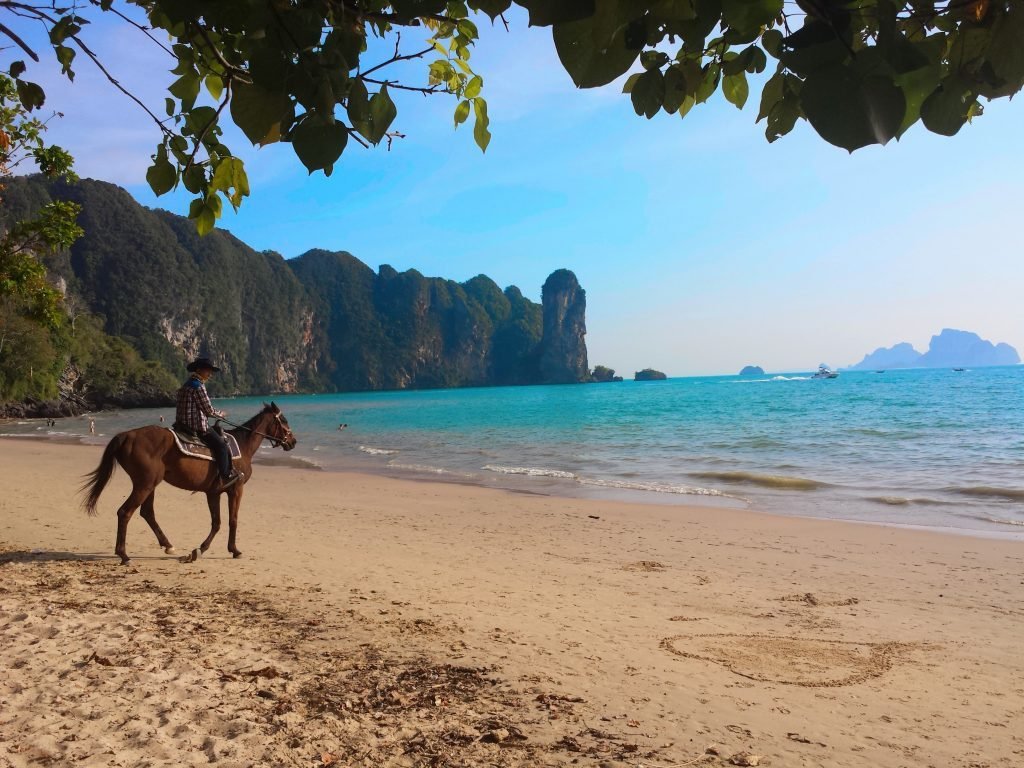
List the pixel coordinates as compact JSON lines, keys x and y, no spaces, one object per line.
{"x":275,"y":442}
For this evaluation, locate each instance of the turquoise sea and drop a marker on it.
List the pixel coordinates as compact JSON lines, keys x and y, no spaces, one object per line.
{"x":933,"y":448}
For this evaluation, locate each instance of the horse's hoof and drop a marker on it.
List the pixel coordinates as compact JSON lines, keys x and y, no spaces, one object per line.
{"x":169,"y":550}
{"x":191,"y":557}
{"x":125,"y":560}
{"x":236,"y":555}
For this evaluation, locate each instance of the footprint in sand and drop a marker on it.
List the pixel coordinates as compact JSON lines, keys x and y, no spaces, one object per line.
{"x":791,"y":660}
{"x":645,"y":566}
{"x":809,"y":598}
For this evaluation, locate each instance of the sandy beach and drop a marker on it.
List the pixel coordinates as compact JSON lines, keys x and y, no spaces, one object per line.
{"x":378,"y":622}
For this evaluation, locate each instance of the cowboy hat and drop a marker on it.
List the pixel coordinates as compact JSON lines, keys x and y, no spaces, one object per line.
{"x":200,"y":363}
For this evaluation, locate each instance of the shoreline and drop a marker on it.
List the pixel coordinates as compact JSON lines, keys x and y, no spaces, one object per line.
{"x":385,"y":622}
{"x":600,"y":494}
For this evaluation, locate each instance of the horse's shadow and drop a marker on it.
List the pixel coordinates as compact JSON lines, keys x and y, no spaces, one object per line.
{"x":38,"y":556}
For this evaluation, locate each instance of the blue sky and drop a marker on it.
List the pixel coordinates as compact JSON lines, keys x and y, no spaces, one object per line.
{"x":702,"y":248}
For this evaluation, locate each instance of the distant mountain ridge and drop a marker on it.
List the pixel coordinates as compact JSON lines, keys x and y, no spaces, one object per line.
{"x":950,"y":348}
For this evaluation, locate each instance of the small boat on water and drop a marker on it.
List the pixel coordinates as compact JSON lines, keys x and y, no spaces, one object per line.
{"x":959,"y":370}
{"x":824,"y":372}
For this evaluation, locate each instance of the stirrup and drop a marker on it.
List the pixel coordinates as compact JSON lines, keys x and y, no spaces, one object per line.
{"x":235,"y":477}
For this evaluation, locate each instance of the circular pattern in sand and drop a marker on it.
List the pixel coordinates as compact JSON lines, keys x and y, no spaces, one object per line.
{"x":790,"y":660}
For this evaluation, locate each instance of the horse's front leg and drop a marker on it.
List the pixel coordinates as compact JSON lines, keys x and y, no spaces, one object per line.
{"x":213,"y":501}
{"x":234,"y":502}
{"x":138,"y":495}
{"x":149,"y":515}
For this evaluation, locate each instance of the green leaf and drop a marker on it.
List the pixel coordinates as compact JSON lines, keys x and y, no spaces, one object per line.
{"x":186,"y":89}
{"x":945,"y":110}
{"x":648,"y":93}
{"x":17,"y":69}
{"x":319,"y":144}
{"x":850,"y":110}
{"x":1006,"y":54}
{"x":65,"y":56}
{"x":258,"y":112}
{"x":480,"y":128}
{"x":772,"y":94}
{"x":493,"y":8}
{"x":382,"y":113}
{"x":461,"y":113}
{"x":194,"y":178}
{"x":544,"y":13}
{"x":229,"y":174}
{"x":771,"y":41}
{"x":30,"y":95}
{"x":161,"y":176}
{"x":750,"y":15}
{"x":708,"y":84}
{"x":630,"y":82}
{"x":473,"y":87}
{"x":676,"y":88}
{"x":735,"y":89}
{"x":593,"y":50}
{"x":686,"y":106}
{"x":169,"y":107}
{"x":917,"y":86}
{"x":215,"y":86}
{"x":359,"y":107}
{"x":202,"y":215}
{"x":782,"y":117}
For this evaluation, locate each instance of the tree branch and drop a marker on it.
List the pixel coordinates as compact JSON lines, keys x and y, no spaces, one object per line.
{"x":399,"y":86}
{"x":18,"y":41}
{"x":397,"y":58}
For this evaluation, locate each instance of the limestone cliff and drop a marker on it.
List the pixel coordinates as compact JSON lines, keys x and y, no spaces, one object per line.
{"x":563,"y":349}
{"x":321,"y":322}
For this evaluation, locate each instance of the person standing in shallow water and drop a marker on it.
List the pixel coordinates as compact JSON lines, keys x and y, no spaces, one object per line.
{"x":194,"y":408}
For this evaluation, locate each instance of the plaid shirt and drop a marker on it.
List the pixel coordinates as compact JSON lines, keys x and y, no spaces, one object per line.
{"x":194,"y":406}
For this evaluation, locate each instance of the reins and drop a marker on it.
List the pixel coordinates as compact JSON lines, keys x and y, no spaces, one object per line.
{"x":274,"y":441}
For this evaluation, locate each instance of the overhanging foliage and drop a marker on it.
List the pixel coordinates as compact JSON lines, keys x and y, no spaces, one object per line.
{"x":860,"y":72}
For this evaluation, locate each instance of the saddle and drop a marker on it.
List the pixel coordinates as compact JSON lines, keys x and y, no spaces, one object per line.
{"x":191,"y":444}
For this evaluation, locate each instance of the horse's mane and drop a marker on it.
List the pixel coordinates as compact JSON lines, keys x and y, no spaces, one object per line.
{"x":248,"y":424}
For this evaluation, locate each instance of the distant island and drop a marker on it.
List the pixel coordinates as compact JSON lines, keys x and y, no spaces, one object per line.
{"x":649,"y":374}
{"x":602,"y":374}
{"x":951,"y":348}
{"x":752,"y":370}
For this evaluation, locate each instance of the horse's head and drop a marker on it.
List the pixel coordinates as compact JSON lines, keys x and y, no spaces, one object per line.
{"x":277,"y":428}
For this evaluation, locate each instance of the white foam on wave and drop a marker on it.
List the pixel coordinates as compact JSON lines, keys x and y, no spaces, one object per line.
{"x":377,"y":451}
{"x":1003,"y":521}
{"x":426,"y":468}
{"x":688,"y":490}
{"x":530,"y":471}
{"x":773,"y":378}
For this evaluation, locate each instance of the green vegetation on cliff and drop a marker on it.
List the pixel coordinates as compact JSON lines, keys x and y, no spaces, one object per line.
{"x":143,"y":283}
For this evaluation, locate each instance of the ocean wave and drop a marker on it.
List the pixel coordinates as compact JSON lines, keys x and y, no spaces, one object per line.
{"x":531,"y":471}
{"x":1001,"y":521}
{"x":629,"y":485}
{"x":377,"y":451}
{"x":426,"y":468}
{"x":990,"y":492}
{"x":903,"y":501}
{"x":768,"y":481}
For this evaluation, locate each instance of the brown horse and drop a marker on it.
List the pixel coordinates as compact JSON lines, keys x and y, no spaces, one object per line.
{"x":149,"y":456}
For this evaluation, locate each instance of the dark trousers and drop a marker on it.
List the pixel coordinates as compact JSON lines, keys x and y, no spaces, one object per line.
{"x":221,"y":453}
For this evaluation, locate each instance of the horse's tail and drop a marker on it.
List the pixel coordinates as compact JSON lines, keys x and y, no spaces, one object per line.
{"x":97,"y":480}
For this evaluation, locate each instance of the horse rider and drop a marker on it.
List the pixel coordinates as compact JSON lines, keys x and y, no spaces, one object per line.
{"x":194,"y":407}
